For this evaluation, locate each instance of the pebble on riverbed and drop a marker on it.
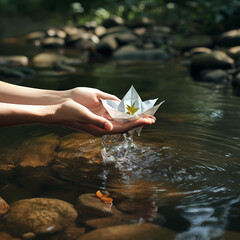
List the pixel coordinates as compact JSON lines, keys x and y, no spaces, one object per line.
{"x":39,"y":216}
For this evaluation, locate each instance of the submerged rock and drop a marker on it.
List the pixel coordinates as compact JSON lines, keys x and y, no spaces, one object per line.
{"x":40,"y":216}
{"x":4,"y":207}
{"x":6,"y":236}
{"x":88,"y":204}
{"x":143,"y":231}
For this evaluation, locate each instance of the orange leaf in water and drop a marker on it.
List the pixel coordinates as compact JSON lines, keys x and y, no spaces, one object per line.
{"x":99,"y":194}
{"x":106,"y":199}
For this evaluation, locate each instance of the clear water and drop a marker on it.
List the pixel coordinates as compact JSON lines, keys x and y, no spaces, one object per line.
{"x":186,"y":165}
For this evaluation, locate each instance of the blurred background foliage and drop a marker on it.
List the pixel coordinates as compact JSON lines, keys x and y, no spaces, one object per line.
{"x":185,"y":17}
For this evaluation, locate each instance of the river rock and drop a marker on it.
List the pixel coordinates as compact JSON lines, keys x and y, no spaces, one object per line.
{"x":112,"y":22}
{"x":7,"y":172}
{"x":236,"y":83}
{"x":70,"y":233}
{"x":140,"y":21}
{"x":40,"y":216}
{"x":6,"y":236}
{"x":88,"y":204}
{"x":214,"y":60}
{"x":53,"y":42}
{"x":29,"y":235}
{"x":196,"y":51}
{"x":4,"y":207}
{"x":6,"y":72}
{"x":229,"y":39}
{"x":131,"y":53}
{"x":14,"y":60}
{"x":100,"y":31}
{"x":12,"y":192}
{"x":49,"y":59}
{"x":33,"y":159}
{"x":143,"y":231}
{"x":234,"y":53}
{"x":215,"y":76}
{"x":186,"y":43}
{"x":35,"y":36}
{"x":107,"y":45}
{"x":57,"y":33}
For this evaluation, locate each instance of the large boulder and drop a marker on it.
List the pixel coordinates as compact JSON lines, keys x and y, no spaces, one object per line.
{"x":213,"y":60}
{"x":40,"y":216}
{"x":143,"y":231}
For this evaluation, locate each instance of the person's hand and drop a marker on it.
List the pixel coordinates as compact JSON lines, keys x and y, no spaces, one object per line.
{"x":77,"y":116}
{"x":90,"y":97}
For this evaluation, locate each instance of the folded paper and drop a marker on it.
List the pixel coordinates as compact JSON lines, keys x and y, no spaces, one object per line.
{"x":131,"y":107}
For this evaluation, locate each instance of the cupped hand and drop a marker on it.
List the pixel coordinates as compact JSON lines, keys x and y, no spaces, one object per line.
{"x":74,"y":115}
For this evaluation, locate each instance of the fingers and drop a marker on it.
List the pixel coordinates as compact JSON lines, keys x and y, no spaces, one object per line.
{"x":104,"y":95}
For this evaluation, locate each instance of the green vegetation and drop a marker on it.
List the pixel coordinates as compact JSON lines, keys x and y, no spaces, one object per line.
{"x":186,"y":17}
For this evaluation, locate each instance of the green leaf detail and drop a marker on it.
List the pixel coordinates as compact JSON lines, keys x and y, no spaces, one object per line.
{"x":131,"y":110}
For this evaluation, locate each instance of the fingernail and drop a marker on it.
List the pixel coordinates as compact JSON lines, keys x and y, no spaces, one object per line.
{"x":108,"y":126}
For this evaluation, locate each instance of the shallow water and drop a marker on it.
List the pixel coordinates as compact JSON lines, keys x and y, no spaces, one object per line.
{"x":186,"y":166}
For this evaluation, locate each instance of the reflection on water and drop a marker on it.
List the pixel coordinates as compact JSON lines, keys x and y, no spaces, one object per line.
{"x":186,"y":166}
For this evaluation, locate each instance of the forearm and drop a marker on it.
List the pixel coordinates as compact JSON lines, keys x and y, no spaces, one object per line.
{"x":10,"y":93}
{"x":16,"y":114}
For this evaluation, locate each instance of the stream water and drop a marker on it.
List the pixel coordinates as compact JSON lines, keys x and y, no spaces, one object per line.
{"x":185,"y":167}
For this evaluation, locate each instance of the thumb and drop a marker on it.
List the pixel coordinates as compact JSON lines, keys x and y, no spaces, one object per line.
{"x":100,"y":122}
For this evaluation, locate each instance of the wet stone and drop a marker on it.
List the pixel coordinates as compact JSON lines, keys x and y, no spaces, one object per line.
{"x":14,"y":60}
{"x":7,"y":172}
{"x":131,"y":53}
{"x":29,"y":235}
{"x":49,"y":59}
{"x":89,"y":204}
{"x":71,"y":233}
{"x":234,"y":53}
{"x":35,"y":36}
{"x":143,"y":231}
{"x":53,"y":42}
{"x":214,"y":60}
{"x":215,"y":76}
{"x":4,"y":207}
{"x":40,"y":216}
{"x":6,"y":236}
{"x":229,"y":39}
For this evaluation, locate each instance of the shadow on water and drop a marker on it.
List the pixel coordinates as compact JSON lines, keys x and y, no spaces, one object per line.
{"x":185,"y":167}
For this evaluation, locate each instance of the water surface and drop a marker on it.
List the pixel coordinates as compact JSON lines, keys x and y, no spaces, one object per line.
{"x":185,"y":167}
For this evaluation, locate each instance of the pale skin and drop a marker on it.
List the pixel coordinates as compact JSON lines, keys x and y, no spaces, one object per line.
{"x":78,"y":108}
